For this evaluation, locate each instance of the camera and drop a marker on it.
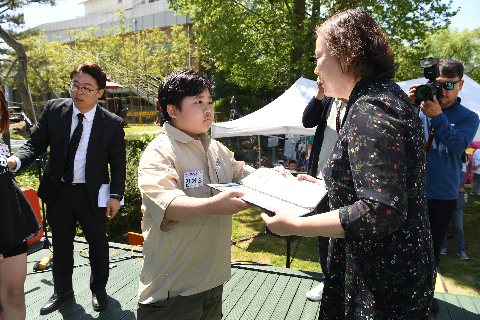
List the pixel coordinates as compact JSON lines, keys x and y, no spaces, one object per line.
{"x":432,"y":88}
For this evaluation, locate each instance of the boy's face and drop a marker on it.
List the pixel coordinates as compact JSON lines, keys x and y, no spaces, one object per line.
{"x":195,"y":116}
{"x":292,"y":166}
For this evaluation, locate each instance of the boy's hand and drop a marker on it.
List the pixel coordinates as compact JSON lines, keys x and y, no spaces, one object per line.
{"x":229,"y":202}
{"x":282,"y":223}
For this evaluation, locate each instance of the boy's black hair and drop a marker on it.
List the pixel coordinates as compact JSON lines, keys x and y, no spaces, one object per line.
{"x":292,"y":161}
{"x":180,"y":84}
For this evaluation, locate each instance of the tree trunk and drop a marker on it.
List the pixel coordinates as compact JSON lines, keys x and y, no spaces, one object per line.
{"x":20,"y":79}
{"x":296,"y":53}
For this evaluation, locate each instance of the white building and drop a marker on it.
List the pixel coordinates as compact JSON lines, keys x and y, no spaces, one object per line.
{"x":141,"y":14}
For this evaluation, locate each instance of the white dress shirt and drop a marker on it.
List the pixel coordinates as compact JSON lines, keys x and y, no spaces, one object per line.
{"x":79,"y":162}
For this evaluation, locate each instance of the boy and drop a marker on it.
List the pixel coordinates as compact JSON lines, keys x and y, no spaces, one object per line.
{"x":187,"y":229}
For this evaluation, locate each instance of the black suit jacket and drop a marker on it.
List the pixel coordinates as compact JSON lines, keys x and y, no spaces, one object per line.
{"x":316,"y":114}
{"x":106,"y":146}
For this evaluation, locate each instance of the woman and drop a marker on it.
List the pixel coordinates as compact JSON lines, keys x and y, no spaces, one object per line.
{"x":17,"y":223}
{"x":381,"y":261}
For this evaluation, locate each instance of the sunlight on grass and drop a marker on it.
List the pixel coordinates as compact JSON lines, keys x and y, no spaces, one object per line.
{"x":135,"y":128}
{"x":269,"y":249}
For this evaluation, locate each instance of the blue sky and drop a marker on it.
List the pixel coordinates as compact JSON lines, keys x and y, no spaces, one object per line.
{"x":36,"y":14}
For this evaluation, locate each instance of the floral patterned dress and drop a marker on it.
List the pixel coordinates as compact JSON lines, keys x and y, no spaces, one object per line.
{"x":384,"y":267}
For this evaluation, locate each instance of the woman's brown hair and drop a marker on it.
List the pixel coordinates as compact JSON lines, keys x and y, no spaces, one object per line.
{"x":360,"y":46}
{"x":4,"y":118}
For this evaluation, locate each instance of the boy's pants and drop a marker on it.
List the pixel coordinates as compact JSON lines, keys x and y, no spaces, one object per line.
{"x":203,"y":305}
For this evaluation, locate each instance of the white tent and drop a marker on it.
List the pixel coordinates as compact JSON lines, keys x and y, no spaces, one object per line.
{"x":469,"y":94}
{"x":281,"y":116}
{"x":284,"y":114}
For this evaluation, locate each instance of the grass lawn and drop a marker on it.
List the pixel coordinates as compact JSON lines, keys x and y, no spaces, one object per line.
{"x":136,"y":128}
{"x":22,"y":134}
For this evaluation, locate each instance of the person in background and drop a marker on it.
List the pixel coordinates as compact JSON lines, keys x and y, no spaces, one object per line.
{"x":328,"y":115}
{"x":449,"y":128}
{"x":234,"y":110}
{"x":119,"y":108}
{"x":292,"y":165}
{"x":186,"y":225}
{"x":457,"y":219}
{"x":18,"y":222}
{"x":87,"y":149}
{"x":380,"y":260}
{"x":476,"y":173}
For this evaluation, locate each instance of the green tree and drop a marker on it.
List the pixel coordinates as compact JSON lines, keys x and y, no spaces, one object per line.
{"x":461,"y":45}
{"x":131,"y":59}
{"x":270,"y":43}
{"x":10,"y":20}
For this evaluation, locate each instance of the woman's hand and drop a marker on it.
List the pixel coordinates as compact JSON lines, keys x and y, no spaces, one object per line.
{"x":321,"y":90}
{"x":282,"y":223}
{"x":311,"y":179}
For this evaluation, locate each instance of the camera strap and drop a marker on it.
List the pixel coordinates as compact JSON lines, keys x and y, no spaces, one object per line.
{"x":431,"y":135}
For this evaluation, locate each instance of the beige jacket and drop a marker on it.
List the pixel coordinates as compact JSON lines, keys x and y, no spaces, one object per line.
{"x":188,"y":257}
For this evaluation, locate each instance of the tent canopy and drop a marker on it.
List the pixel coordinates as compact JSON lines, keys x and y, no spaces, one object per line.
{"x":284,"y":114}
{"x":281,"y":116}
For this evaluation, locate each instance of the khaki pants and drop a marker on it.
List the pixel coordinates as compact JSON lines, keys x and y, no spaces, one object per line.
{"x":203,"y":305}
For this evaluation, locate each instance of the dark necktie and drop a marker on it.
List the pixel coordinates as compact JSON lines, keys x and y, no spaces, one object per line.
{"x":72,"y":150}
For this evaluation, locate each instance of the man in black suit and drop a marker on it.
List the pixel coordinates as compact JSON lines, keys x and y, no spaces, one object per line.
{"x":84,"y":139}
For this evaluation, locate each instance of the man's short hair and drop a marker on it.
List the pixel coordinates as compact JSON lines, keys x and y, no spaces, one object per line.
{"x":357,"y":41}
{"x":180,"y":84}
{"x":450,"y":68}
{"x":93,"y":70}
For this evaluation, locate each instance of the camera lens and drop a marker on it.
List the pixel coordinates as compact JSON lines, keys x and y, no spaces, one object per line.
{"x":425,"y":92}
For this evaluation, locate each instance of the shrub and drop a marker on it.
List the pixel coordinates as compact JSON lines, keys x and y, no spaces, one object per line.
{"x":130,"y":215}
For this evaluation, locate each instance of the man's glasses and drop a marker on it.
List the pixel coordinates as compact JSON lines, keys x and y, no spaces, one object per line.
{"x":450,"y":85}
{"x":83,"y":90}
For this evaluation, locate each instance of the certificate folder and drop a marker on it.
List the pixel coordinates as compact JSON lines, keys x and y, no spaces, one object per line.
{"x":267,"y":187}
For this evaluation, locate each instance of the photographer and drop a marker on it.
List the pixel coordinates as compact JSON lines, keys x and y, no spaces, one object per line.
{"x":449,"y":129}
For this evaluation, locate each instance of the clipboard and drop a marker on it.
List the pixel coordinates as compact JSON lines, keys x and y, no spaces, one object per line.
{"x":266,"y":188}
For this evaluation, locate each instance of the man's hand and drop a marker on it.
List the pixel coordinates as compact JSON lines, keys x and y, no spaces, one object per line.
{"x":282,"y":223}
{"x":12,"y":164}
{"x":411,"y":93}
{"x":431,"y":109}
{"x":229,"y":202}
{"x":113,"y":205}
